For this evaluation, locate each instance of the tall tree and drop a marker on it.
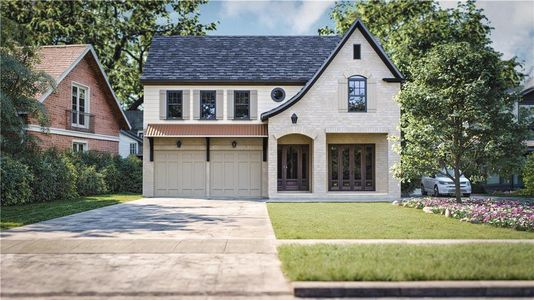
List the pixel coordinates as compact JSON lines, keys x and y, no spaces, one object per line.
{"x":19,"y":86}
{"x":121,"y":31}
{"x":459,"y":114}
{"x":433,"y":122}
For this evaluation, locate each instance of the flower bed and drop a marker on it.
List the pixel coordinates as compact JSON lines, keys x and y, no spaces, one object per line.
{"x":501,"y":213}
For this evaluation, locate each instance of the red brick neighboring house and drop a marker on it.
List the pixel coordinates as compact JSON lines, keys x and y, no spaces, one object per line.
{"x":83,"y":110}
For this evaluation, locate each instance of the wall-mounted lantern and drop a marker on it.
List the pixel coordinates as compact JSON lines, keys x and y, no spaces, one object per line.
{"x":179,"y":144}
{"x":234,"y":144}
{"x":294,"y":118}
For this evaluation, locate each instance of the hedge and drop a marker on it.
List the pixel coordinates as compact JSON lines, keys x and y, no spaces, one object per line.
{"x":44,"y":176}
{"x":528,"y":174}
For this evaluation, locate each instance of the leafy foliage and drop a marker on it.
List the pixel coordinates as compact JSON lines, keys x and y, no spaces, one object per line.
{"x":528,"y":174}
{"x":458,"y":113}
{"x":19,"y":86}
{"x":91,"y":182}
{"x":120,"y":31}
{"x":55,"y":176}
{"x":16,"y":182}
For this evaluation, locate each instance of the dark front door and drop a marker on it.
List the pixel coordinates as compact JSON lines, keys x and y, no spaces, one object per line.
{"x":293,"y":173}
{"x":351,"y":167}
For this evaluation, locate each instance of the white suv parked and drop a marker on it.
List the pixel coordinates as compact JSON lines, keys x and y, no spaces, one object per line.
{"x":440,"y":184}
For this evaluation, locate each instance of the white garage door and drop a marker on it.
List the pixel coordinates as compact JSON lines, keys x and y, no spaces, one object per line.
{"x":235,"y":173}
{"x":180,"y":173}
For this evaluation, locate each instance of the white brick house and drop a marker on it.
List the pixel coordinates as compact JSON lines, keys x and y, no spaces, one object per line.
{"x":285,"y":118}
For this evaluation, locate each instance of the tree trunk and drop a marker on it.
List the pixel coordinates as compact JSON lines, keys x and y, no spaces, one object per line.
{"x":457,"y":190}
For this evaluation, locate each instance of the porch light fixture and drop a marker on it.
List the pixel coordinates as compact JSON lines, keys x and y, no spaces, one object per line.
{"x":234,"y":144}
{"x":294,"y":118}
{"x":179,"y":144}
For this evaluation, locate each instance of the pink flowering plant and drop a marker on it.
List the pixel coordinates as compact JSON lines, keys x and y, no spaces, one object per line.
{"x":501,"y":213}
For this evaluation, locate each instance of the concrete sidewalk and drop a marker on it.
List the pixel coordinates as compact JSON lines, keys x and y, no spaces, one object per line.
{"x":147,"y":249}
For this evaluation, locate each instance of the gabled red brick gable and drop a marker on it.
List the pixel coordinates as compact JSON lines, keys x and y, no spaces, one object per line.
{"x":78,"y":64}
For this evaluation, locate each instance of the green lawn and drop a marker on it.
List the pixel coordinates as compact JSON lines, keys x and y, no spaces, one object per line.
{"x":407,"y":262}
{"x":375,"y":221}
{"x":14,"y":216}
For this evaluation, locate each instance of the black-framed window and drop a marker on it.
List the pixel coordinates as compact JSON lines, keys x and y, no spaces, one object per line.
{"x":174,"y":104}
{"x":208,"y":105}
{"x":242,"y":105}
{"x":357,"y":51}
{"x":357,"y":97}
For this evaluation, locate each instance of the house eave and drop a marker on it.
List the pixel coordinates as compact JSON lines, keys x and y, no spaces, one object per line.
{"x":221,"y":82}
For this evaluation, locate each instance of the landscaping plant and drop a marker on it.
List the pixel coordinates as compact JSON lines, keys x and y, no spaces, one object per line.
{"x":52,"y":175}
{"x":16,"y":182}
{"x":528,"y":175}
{"x":514,"y":214}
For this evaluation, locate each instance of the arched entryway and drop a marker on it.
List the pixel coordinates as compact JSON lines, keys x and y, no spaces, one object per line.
{"x":294,"y":155}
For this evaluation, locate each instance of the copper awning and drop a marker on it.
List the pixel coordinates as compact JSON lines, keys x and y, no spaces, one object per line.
{"x":206,"y":130}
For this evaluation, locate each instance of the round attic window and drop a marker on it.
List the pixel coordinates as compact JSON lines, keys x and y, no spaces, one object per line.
{"x":278,"y":94}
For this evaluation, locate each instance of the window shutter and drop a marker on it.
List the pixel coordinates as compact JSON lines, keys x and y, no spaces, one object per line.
{"x":186,"y":103}
{"x":230,"y":104}
{"x":162,"y":104}
{"x":342,"y":95}
{"x":196,"y":104}
{"x":219,"y":104}
{"x":253,"y":105}
{"x":371,"y":96}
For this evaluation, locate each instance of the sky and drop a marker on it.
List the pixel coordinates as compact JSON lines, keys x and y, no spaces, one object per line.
{"x":513,"y":21}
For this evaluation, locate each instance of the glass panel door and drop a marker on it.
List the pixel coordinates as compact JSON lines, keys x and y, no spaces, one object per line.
{"x":293,"y":167}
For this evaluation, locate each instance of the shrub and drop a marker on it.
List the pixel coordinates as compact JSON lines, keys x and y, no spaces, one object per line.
{"x":55,"y":176}
{"x":91,"y":182}
{"x":112,"y":176}
{"x":16,"y":182}
{"x":131,"y":170}
{"x":407,"y":187}
{"x":528,"y":174}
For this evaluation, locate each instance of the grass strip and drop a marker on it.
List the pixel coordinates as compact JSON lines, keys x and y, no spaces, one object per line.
{"x":375,"y":221}
{"x":407,"y":262}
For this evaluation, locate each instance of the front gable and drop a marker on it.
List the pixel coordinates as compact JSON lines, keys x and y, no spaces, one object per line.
{"x":77,"y":68}
{"x":374,"y":64}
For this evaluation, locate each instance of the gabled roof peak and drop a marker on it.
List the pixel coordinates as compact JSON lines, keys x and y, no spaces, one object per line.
{"x":397,"y":76}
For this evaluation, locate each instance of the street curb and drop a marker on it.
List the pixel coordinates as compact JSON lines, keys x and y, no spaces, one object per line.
{"x":316,"y":289}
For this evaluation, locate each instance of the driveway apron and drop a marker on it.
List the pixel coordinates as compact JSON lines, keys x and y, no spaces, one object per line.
{"x":149,"y":248}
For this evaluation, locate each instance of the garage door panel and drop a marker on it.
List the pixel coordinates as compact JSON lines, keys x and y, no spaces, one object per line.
{"x":235,"y":173}
{"x":180,"y":173}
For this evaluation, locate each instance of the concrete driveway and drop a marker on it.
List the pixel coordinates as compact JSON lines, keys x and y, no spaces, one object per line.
{"x":149,"y":248}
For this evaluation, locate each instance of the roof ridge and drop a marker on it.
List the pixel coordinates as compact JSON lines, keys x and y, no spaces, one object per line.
{"x":199,"y":36}
{"x":65,"y":46}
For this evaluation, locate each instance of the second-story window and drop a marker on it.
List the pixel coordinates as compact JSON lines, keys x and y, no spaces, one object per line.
{"x":242,"y":105}
{"x":207,"y":105}
{"x":357,"y":94}
{"x":80,"y":116}
{"x":133,"y":148}
{"x":174,"y":105}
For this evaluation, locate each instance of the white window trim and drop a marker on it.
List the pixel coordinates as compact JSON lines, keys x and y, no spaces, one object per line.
{"x":136,"y":150}
{"x":87,"y":101}
{"x":85,"y":144}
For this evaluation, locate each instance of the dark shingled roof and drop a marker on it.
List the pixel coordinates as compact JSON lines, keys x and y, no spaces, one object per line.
{"x":135,"y":117}
{"x":255,"y":59}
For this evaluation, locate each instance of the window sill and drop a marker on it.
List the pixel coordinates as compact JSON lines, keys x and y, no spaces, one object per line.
{"x":174,"y":119}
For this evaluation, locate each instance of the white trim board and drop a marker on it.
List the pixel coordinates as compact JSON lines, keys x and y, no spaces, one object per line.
{"x":59,"y":131}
